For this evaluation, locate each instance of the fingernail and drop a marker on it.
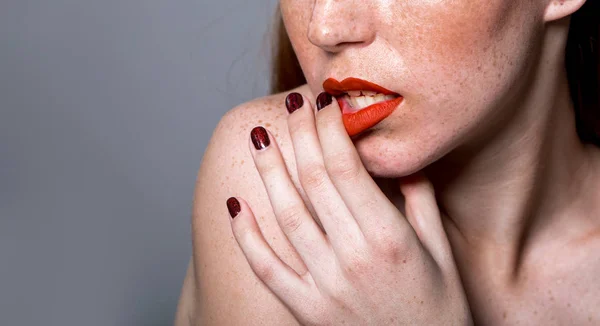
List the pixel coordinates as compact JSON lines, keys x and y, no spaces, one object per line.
{"x":260,"y":138}
{"x":323,"y":100}
{"x":293,"y":102}
{"x":233,"y":205}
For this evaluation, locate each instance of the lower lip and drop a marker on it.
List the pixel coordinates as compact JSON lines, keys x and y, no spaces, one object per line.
{"x":359,"y":121}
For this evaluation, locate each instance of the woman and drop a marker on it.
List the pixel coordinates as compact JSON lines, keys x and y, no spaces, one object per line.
{"x":446,"y":175}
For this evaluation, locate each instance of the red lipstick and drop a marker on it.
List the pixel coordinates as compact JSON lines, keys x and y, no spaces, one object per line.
{"x":359,"y":121}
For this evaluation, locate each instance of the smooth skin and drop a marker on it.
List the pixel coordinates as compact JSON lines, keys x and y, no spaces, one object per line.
{"x":487,"y":117}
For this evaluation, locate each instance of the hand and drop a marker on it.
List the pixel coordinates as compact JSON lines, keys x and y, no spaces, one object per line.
{"x":372,"y":265}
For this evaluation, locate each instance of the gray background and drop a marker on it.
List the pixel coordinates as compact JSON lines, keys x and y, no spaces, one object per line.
{"x":105,"y":110}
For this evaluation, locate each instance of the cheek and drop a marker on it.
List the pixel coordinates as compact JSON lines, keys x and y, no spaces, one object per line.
{"x":459,"y":45}
{"x":460,"y":63}
{"x":457,"y":66}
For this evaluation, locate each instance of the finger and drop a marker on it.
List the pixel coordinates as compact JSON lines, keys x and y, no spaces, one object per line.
{"x":342,"y":230}
{"x":292,"y":215}
{"x":292,"y":289}
{"x":424,"y":215}
{"x":370,"y":207}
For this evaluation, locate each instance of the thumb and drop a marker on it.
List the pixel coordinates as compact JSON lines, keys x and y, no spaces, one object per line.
{"x":423,"y":214}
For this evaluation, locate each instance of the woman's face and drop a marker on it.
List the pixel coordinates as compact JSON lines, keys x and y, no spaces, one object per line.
{"x":457,"y":63}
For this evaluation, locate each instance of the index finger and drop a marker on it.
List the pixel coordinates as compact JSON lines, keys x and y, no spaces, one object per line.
{"x":370,"y":207}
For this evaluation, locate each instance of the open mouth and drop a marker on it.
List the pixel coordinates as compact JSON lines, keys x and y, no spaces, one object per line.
{"x":363,"y":104}
{"x":355,"y":101}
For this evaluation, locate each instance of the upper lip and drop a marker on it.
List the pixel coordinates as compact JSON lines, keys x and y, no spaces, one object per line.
{"x":336,"y":88}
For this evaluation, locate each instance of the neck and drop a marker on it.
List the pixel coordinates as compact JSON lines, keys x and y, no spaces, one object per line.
{"x":501,"y":197}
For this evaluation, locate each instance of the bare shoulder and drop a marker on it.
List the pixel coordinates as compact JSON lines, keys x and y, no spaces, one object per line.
{"x":226,"y":290}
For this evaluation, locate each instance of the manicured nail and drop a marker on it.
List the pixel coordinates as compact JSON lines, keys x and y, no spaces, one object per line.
{"x":233,"y":205}
{"x":323,"y":100}
{"x":260,"y":138}
{"x":293,"y":102}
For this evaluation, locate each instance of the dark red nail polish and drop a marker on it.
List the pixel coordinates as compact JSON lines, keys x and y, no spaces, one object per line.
{"x":323,"y":100}
{"x":233,"y":205}
{"x":260,"y":138}
{"x":293,"y":102}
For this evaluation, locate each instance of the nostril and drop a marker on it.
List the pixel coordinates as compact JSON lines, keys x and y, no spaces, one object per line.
{"x":332,"y":41}
{"x":335,"y":39}
{"x":348,"y":44}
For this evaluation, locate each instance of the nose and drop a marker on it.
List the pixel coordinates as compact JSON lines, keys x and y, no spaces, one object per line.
{"x":338,"y":24}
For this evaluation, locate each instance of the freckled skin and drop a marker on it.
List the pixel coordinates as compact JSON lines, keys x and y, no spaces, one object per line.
{"x":480,"y":83}
{"x":470,"y":74}
{"x":453,"y":61}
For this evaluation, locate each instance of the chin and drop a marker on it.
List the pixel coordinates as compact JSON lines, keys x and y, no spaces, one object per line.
{"x":385,"y":158}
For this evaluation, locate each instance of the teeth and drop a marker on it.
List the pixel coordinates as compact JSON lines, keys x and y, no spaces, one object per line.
{"x":379,"y":97}
{"x":361,"y":99}
{"x":368,"y":93}
{"x":354,"y":102}
{"x":368,"y":100}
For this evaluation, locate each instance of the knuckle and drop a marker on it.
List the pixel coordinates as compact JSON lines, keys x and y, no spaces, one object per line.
{"x":343,"y":166}
{"x":244,"y":235}
{"x":298,"y":125}
{"x":327,"y":121}
{"x":356,"y":266}
{"x":264,"y":271}
{"x":312,"y":176}
{"x":390,"y":248}
{"x":290,"y":219}
{"x":266,"y":167}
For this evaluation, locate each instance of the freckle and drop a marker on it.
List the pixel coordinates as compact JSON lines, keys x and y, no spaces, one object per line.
{"x":421,"y":301}
{"x":242,"y":162}
{"x":267,"y":124}
{"x":535,"y":312}
{"x":568,"y":304}
{"x":404,"y":261}
{"x":259,"y":121}
{"x":504,"y":315}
